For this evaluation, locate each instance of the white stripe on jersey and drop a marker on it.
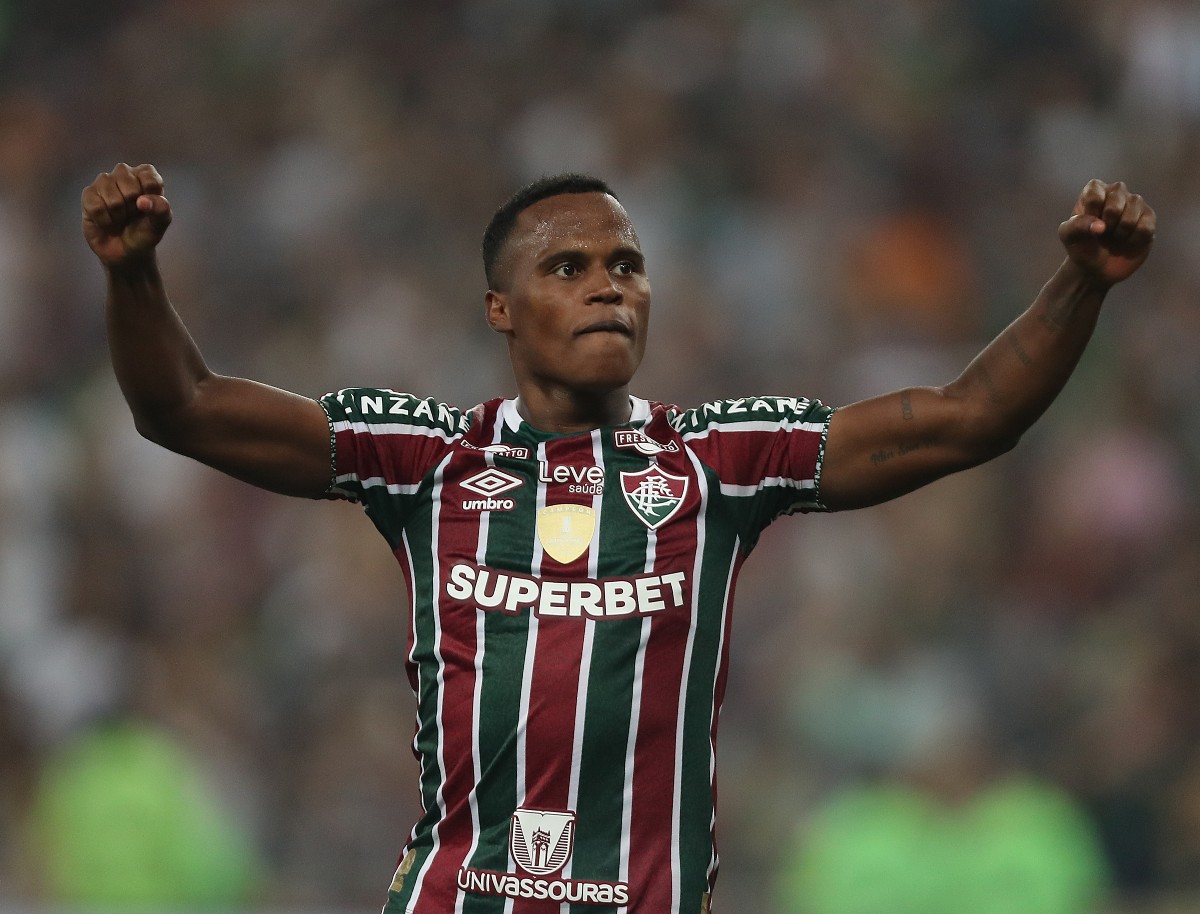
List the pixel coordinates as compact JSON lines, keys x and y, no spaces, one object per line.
{"x":374,"y":482}
{"x":441,"y":676}
{"x":585,"y":665}
{"x":768,"y":483}
{"x":535,"y":569}
{"x":393,"y":428}
{"x":635,"y":716}
{"x":477,"y":697}
{"x":785,"y":425}
{"x":701,"y":529}
{"x":715,"y":859}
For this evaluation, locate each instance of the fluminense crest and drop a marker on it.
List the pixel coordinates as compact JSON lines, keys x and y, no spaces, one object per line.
{"x":653,"y":495}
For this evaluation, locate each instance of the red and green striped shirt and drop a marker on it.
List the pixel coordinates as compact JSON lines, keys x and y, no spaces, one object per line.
{"x":568,"y":635}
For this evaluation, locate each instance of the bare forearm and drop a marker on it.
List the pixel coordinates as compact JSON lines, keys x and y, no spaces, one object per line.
{"x":157,"y":365}
{"x":1019,"y":374}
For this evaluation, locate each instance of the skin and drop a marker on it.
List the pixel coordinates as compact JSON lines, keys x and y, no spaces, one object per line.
{"x":574,"y":306}
{"x":573,"y":302}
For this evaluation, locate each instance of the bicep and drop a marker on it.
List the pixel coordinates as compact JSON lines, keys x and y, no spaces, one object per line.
{"x":265,"y":436}
{"x":884,"y":447}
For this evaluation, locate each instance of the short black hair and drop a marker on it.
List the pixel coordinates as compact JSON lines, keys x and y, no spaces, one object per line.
{"x":502,"y":222}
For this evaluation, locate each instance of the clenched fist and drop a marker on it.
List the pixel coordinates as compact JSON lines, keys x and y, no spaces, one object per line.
{"x":1110,"y":231}
{"x":125,"y":215}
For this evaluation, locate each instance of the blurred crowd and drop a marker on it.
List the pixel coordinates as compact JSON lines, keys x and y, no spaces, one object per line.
{"x":202,"y":699}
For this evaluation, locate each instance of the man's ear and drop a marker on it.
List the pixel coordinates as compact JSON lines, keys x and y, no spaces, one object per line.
{"x":495,"y":311}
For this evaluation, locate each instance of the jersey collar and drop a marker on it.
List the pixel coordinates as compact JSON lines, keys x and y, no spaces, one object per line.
{"x":639,"y":413}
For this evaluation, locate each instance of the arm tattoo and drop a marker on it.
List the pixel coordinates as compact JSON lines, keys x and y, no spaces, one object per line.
{"x":1056,"y":314}
{"x":883,"y":456}
{"x":989,"y":385}
{"x":1025,"y":357}
{"x":906,"y":405}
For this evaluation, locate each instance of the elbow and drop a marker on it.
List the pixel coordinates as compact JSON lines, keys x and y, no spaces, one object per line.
{"x":160,"y":430}
{"x":986,"y":440}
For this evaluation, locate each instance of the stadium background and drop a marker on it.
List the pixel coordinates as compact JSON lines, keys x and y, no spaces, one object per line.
{"x":201,"y":696}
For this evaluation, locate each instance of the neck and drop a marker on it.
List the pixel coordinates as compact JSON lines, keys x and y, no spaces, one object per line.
{"x":564,"y":412}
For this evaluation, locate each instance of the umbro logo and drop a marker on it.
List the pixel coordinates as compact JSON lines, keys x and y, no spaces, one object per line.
{"x":490,"y":483}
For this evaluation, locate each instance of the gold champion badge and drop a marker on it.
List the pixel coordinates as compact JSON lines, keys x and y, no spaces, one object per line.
{"x":565,"y":531}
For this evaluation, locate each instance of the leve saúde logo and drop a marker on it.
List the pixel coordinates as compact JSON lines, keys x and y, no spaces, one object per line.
{"x":541,"y":841}
{"x":653,"y":495}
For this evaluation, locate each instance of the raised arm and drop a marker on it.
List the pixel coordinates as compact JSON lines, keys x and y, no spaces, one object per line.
{"x":883,"y":447}
{"x":262,"y":435}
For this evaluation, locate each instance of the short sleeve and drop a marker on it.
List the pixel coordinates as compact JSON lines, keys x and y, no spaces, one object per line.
{"x":385,"y":443}
{"x":766,"y":453}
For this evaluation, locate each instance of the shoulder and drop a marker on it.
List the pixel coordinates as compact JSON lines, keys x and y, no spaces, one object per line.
{"x":385,"y":411}
{"x":749,"y":414}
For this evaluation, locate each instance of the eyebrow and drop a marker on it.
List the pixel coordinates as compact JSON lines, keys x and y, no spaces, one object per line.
{"x":624,"y":252}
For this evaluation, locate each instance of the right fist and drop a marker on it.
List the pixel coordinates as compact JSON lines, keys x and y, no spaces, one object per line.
{"x":125,"y":214}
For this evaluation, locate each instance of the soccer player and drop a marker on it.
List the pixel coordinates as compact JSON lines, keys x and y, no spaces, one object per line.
{"x":571,"y":553}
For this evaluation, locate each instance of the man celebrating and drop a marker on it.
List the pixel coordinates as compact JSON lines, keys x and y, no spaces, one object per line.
{"x":571,"y":553}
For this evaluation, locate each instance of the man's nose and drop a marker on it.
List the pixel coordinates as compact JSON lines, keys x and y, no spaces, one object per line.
{"x":606,"y":291}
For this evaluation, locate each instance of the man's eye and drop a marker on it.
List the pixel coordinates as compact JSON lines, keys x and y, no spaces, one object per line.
{"x":566,"y":270}
{"x":624,"y":268}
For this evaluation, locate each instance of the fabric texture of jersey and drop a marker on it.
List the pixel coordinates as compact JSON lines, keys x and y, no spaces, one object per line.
{"x":569,"y":613}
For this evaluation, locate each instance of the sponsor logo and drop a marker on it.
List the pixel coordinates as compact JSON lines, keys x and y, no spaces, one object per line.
{"x":610,"y":598}
{"x":654,"y":496}
{"x":510,"y":885}
{"x":582,"y":480}
{"x":541,"y":843}
{"x":565,"y":531}
{"x":641,"y":442}
{"x":490,"y":483}
{"x":502,"y":450}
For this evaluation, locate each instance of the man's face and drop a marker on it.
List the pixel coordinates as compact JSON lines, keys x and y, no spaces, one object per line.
{"x":575,"y":298}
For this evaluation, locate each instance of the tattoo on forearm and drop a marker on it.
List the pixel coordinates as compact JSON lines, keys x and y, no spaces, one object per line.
{"x":883,"y":456}
{"x":989,"y":385}
{"x":1025,"y":357}
{"x":1056,"y":313}
{"x":906,"y":404}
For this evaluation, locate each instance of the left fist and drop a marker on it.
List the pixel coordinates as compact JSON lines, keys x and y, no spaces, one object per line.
{"x":1109,"y":233}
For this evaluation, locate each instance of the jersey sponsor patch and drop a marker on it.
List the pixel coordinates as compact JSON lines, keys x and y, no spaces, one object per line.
{"x":641,"y":442}
{"x":653,"y":495}
{"x":608,"y":598}
{"x":501,"y":450}
{"x":565,"y":531}
{"x":541,"y":843}
{"x":491,"y":482}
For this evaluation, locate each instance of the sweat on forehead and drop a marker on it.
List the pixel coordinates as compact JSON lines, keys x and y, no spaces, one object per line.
{"x":569,"y":220}
{"x":503,"y":221}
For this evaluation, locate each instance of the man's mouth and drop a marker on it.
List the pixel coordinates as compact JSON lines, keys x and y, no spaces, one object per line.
{"x":609,"y":326}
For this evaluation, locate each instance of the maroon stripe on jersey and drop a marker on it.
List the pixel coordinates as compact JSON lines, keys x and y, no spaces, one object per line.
{"x":719,"y":697}
{"x":746,"y":458}
{"x":558,"y":656}
{"x":404,"y":458}
{"x":650,"y":876}
{"x":457,"y":647}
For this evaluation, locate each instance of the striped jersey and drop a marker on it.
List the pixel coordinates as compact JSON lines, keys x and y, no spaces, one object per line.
{"x":568,"y":635}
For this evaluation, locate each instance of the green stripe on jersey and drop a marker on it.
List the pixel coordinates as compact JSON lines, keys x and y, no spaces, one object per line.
{"x":609,"y":707}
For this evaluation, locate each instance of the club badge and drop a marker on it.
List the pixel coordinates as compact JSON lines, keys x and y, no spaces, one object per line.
{"x":654,"y":496}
